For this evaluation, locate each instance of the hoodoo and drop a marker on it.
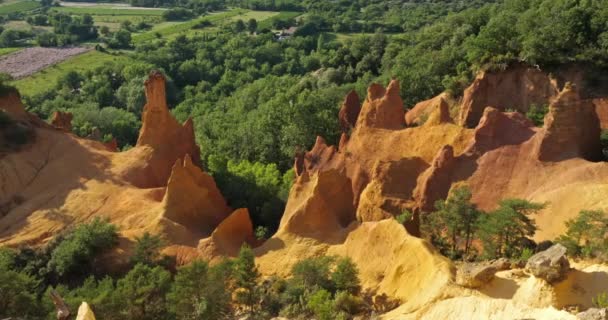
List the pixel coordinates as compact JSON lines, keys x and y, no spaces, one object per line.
{"x":169,"y":139}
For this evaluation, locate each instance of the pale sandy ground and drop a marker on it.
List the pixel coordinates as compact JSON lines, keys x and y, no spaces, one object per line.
{"x":28,"y":61}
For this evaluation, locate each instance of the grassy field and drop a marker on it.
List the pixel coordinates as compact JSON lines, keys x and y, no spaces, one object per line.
{"x":5,"y":51}
{"x":47,"y":78}
{"x":104,"y":10}
{"x":257,"y":15}
{"x":173,"y":29}
{"x":267,"y":23}
{"x":20,"y":6}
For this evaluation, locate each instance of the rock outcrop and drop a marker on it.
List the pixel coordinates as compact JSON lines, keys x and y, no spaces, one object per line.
{"x":85,"y":312}
{"x":517,"y":88}
{"x":572,"y":129}
{"x":383,"y":108}
{"x":349,"y":112}
{"x":422,"y":111}
{"x":475,"y":276}
{"x":434,"y":184}
{"x":593,"y":314}
{"x":319,"y":205}
{"x":551,"y":264}
{"x":62,"y":120}
{"x":192,"y":199}
{"x":169,"y":139}
{"x":229,"y":236}
{"x":60,"y":180}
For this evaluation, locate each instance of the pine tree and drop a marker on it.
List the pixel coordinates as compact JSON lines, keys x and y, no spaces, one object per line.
{"x":246,"y":276}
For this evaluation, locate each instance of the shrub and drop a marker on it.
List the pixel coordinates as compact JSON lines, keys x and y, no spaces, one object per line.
{"x":147,"y":250}
{"x":321,"y":304}
{"x":313,"y":274}
{"x":76,"y":253}
{"x":345,"y":277}
{"x":405,"y":216}
{"x":537,"y":114}
{"x":348,"y":303}
{"x":601,"y":301}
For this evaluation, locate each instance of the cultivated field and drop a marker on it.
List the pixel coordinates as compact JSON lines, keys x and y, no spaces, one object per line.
{"x":31,"y":60}
{"x":47,"y":78}
{"x":20,"y":6}
{"x":5,"y":51}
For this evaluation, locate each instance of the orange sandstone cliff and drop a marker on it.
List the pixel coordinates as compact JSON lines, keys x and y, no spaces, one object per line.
{"x":60,"y":180}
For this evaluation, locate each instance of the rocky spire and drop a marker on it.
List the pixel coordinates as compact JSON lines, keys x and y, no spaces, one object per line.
{"x":571,"y":129}
{"x":349,"y":112}
{"x":383,"y":108}
{"x":169,"y":140}
{"x":62,"y":120}
{"x":192,"y":198}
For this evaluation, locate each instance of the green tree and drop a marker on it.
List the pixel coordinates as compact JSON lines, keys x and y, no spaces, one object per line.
{"x":141,"y":294}
{"x":246,"y":276}
{"x":239,"y":26}
{"x":503,"y":231}
{"x":76,"y":253}
{"x":457,"y":217}
{"x":587,"y":234}
{"x":199,"y":292}
{"x":147,"y":249}
{"x":252,"y":25}
{"x":17,"y":294}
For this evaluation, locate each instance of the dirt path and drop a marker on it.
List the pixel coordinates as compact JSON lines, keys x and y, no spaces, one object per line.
{"x":28,"y":61}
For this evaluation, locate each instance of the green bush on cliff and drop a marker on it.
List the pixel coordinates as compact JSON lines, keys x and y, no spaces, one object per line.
{"x":76,"y":253}
{"x":586,"y":235}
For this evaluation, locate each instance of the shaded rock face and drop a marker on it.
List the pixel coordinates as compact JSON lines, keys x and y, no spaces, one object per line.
{"x":390,"y":189}
{"x":229,"y":236}
{"x":383,"y":108}
{"x":516,"y":88}
{"x":318,"y":205}
{"x":422,"y":111}
{"x":62,"y":120}
{"x":193,"y":200}
{"x":434,"y":184}
{"x":551,"y":264}
{"x":572,"y":129}
{"x":471,"y":275}
{"x":349,"y":112}
{"x":160,"y":130}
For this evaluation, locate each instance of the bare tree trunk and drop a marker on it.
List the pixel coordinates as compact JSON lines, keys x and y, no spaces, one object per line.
{"x":62,"y":309}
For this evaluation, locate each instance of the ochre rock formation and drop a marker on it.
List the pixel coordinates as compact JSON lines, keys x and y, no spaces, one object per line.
{"x":571,"y":130}
{"x":229,"y":236}
{"x":201,"y":213}
{"x":62,"y":120}
{"x":85,"y":312}
{"x":516,"y":88}
{"x":160,"y":131}
{"x":420,"y":113}
{"x":349,"y":112}
{"x":319,"y":205}
{"x":61,"y":180}
{"x":435,"y":182}
{"x":383,"y":108}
